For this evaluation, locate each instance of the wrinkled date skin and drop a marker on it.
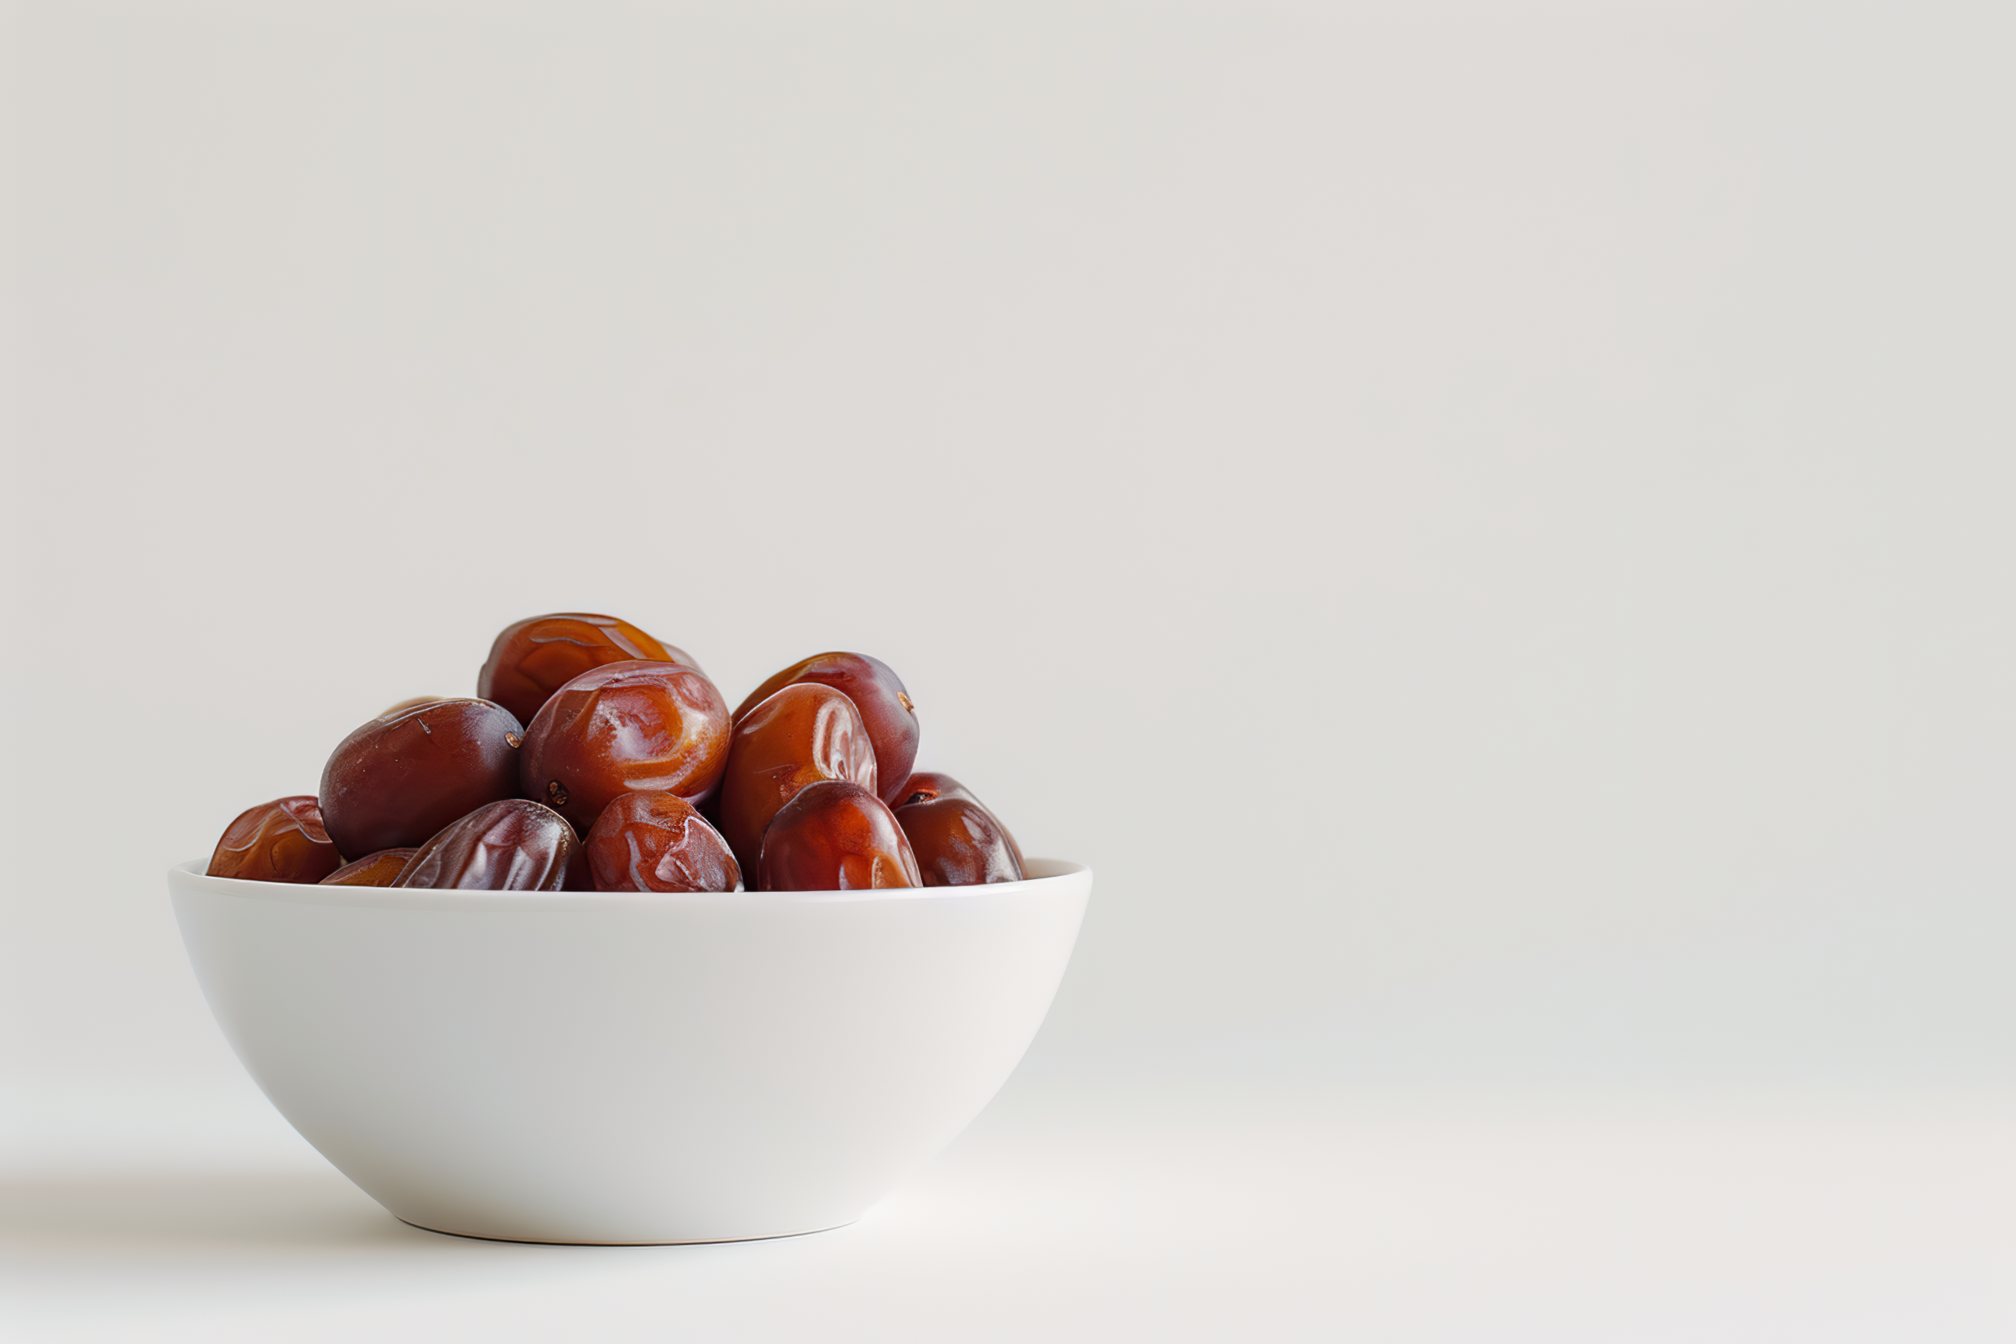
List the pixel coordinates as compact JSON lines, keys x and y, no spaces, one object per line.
{"x":945,"y":844}
{"x":876,"y":691}
{"x":396,"y":781}
{"x":373,"y":870}
{"x":799,"y":736}
{"x":280,"y":841}
{"x":836,"y":836}
{"x":536,"y":657}
{"x":658,"y":842}
{"x":629,"y":727}
{"x":512,"y":845}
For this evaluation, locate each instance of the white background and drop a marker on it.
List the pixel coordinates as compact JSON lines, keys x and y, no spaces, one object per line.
{"x":1487,"y":525}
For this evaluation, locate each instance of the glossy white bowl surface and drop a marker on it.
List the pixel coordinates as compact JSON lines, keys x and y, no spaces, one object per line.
{"x":629,"y":1068}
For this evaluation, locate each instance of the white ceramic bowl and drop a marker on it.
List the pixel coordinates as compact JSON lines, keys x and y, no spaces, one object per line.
{"x":629,"y":1068}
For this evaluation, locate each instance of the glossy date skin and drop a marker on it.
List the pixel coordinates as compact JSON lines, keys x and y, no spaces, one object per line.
{"x":953,"y":840}
{"x":836,"y":836}
{"x":373,"y":870}
{"x":628,"y":727}
{"x":877,"y":692}
{"x":280,"y":841}
{"x":958,"y":843}
{"x":396,"y":781}
{"x":658,"y":842}
{"x":802,"y":734}
{"x":513,"y":845}
{"x":536,"y":657}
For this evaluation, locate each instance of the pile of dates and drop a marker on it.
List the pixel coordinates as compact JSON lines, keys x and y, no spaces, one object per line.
{"x":595,"y":758}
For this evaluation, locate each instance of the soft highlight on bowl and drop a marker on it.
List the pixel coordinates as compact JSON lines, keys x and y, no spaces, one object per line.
{"x":629,"y":1067}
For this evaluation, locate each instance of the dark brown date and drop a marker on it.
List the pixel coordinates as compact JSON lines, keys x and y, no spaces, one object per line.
{"x":396,"y":781}
{"x":280,"y":841}
{"x":629,"y":727}
{"x":513,"y":845}
{"x":947,"y":851}
{"x":536,"y":657}
{"x":658,"y":842}
{"x":802,"y":734}
{"x":876,"y":691}
{"x":836,"y":836}
{"x":373,"y":870}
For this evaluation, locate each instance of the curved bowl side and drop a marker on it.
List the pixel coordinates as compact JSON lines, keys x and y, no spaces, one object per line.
{"x":658,"y":1070}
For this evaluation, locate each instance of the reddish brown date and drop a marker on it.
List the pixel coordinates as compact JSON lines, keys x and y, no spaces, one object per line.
{"x":836,"y":836}
{"x":280,"y":841}
{"x":630,"y":727}
{"x":799,"y":736}
{"x":876,"y":691}
{"x":536,"y":657}
{"x":956,"y":848}
{"x":373,"y":870}
{"x":959,"y":843}
{"x":513,"y":845}
{"x":658,"y":842}
{"x":396,"y":781}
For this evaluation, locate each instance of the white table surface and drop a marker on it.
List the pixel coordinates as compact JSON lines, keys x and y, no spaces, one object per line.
{"x":1097,"y":1208}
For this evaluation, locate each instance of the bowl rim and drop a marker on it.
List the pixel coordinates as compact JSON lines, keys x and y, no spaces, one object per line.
{"x":1055,"y":873}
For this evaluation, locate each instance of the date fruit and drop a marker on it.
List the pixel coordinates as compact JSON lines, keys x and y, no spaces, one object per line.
{"x":876,"y":691}
{"x":513,"y":845}
{"x":373,"y":870}
{"x":956,"y":847}
{"x":801,"y":735}
{"x":629,"y":727}
{"x":958,"y":842}
{"x":835,"y":835}
{"x":537,"y":656}
{"x":658,"y":842}
{"x":280,"y":841}
{"x":396,"y":781}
